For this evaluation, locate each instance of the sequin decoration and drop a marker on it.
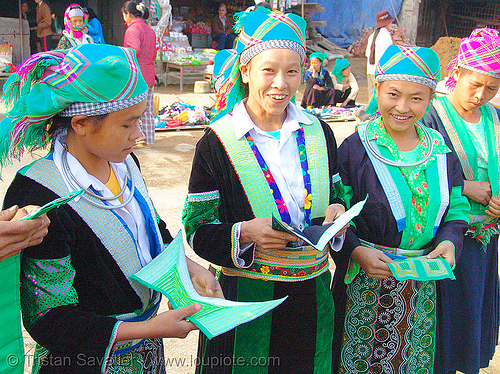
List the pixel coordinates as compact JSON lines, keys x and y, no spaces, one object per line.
{"x":46,"y":284}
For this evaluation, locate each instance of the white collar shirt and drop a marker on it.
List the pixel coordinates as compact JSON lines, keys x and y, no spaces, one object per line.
{"x":131,"y":214}
{"x":281,"y":156}
{"x":223,"y":20}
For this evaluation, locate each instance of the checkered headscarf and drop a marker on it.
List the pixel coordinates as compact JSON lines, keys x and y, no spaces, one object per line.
{"x":480,"y":52}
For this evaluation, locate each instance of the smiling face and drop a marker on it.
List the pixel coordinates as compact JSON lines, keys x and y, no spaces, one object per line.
{"x":401,"y":104}
{"x":273,"y":77}
{"x":473,"y":90}
{"x":24,"y":7}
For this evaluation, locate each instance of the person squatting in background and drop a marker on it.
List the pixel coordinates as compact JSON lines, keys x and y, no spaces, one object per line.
{"x":345,"y":84}
{"x":319,"y":89}
{"x":222,"y":29}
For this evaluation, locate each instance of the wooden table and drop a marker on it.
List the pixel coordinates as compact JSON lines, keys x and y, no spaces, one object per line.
{"x":183,"y":72}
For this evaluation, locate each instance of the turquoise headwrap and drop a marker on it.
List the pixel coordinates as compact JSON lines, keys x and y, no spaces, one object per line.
{"x":223,"y":59}
{"x":50,"y":82}
{"x":319,"y":55}
{"x":258,"y":31}
{"x":340,"y":64}
{"x":413,"y":64}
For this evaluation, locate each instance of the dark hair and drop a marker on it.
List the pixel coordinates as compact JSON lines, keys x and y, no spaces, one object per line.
{"x":91,"y":12}
{"x":222,"y":5}
{"x":264,"y":4}
{"x":58,"y":122}
{"x":131,"y":7}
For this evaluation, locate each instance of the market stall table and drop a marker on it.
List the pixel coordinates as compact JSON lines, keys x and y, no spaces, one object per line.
{"x":184,"y":71}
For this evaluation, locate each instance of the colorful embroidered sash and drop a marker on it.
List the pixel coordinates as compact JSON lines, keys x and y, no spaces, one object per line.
{"x":396,"y":194}
{"x":104,"y":223}
{"x":252,"y":179}
{"x":296,"y":267}
{"x":280,"y":265}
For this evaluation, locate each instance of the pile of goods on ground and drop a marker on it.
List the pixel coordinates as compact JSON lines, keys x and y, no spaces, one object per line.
{"x":334,"y":113}
{"x":181,"y":114}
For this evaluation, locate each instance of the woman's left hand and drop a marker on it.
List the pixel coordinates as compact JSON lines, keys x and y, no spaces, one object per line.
{"x":493,"y":207}
{"x":203,"y":280}
{"x":332,"y":213}
{"x":446,"y":250}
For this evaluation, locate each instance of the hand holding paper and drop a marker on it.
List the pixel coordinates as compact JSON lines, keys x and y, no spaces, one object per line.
{"x":421,"y":268}
{"x":52,"y":204}
{"x":319,"y":236}
{"x":168,"y":274}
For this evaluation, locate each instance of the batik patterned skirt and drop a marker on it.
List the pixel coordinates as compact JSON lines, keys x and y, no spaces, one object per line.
{"x":389,"y":326}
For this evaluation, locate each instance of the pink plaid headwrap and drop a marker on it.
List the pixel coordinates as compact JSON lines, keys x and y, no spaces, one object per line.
{"x":480,"y":52}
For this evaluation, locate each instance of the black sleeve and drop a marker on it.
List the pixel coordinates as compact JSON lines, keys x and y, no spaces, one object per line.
{"x":213,"y":241}
{"x":64,"y":328}
{"x":328,"y":80}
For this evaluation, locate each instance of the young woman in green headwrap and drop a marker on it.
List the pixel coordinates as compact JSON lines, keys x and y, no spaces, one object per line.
{"x":78,"y":302}
{"x":319,"y":86}
{"x":345,"y":84}
{"x":385,"y":320}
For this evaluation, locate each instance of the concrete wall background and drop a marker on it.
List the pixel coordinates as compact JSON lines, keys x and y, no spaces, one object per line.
{"x":10,"y":33}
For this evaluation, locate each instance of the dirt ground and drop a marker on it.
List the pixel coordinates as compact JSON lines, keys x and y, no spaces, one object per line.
{"x":166,"y":168}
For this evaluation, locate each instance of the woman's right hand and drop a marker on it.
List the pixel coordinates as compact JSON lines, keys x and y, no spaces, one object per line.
{"x":260,"y":232}
{"x":16,"y":235}
{"x":373,"y":262}
{"x":169,"y":324}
